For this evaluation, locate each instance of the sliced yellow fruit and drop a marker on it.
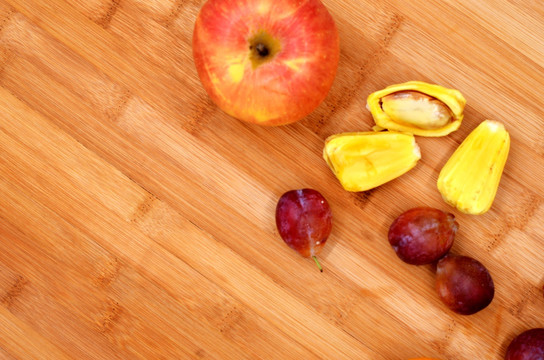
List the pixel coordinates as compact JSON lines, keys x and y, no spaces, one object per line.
{"x":364,"y":160}
{"x":470,"y":178}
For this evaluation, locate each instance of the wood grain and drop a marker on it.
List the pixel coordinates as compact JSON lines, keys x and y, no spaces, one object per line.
{"x":137,"y":219}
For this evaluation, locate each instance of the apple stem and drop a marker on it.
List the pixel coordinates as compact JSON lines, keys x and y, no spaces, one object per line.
{"x":262,"y":50}
{"x":317,"y":263}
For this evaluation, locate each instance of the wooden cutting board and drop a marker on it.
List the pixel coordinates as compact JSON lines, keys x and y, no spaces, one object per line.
{"x":137,"y":219}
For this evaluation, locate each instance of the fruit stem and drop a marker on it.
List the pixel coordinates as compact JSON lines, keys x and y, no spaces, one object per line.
{"x":262,"y":50}
{"x":317,"y":263}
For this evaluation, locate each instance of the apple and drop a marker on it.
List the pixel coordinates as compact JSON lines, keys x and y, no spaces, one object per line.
{"x":269,"y":62}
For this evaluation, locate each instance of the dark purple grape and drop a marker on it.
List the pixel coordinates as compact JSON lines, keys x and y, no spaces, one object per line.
{"x":528,"y":345}
{"x":422,"y":235}
{"x":304,"y":221}
{"x":464,"y":284}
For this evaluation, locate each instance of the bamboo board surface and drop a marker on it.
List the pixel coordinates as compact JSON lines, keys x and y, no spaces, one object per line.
{"x":137,"y":219}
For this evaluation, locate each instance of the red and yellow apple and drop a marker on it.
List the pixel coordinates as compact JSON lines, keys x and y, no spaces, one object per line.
{"x":270,"y":62}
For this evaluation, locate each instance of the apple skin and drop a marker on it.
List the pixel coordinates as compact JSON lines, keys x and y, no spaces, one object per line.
{"x":277,"y":86}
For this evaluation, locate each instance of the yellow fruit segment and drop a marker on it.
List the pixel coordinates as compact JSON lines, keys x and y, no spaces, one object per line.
{"x":364,"y":160}
{"x":417,"y":108}
{"x":471,"y":176}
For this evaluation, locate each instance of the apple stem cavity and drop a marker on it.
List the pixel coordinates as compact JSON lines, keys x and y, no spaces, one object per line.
{"x":317,"y":263}
{"x":263,"y":47}
{"x":262,"y":50}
